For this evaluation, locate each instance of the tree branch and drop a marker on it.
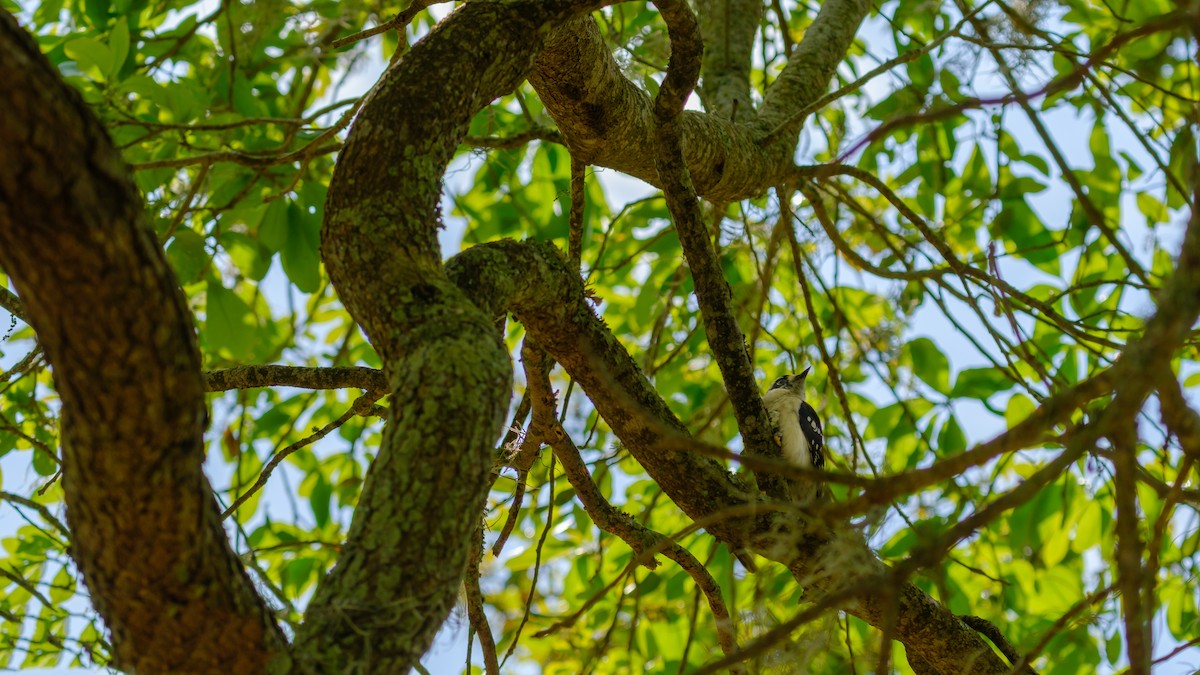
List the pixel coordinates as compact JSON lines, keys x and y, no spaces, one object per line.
{"x":118,"y":334}
{"x":535,"y":282}
{"x":715,"y":298}
{"x":606,"y":120}
{"x":251,"y":377}
{"x":810,"y":68}
{"x":728,"y":28}
{"x":442,"y":354}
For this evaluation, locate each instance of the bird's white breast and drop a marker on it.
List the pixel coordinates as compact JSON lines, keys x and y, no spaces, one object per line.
{"x":784,"y":410}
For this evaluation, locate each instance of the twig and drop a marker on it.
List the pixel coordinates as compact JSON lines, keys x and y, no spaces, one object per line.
{"x":575,"y":240}
{"x":991,"y":632}
{"x":185,"y":204}
{"x":42,"y":510}
{"x":537,"y":566}
{"x":361,"y":406}
{"x":475,"y":612}
{"x":399,"y":21}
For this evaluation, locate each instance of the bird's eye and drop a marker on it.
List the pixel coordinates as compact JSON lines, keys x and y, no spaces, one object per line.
{"x":781,"y":382}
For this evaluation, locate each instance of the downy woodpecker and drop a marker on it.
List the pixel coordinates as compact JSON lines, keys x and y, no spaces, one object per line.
{"x":796,"y":425}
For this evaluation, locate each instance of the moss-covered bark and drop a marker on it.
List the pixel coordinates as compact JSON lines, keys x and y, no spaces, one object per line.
{"x":728,"y":28}
{"x":447,"y":366}
{"x":607,"y":120}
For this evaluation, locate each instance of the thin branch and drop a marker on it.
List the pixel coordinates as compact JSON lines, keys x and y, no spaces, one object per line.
{"x":42,"y":510}
{"x":575,"y":240}
{"x":713,"y":294}
{"x":1129,"y":543}
{"x":475,"y":612}
{"x":399,"y":22}
{"x":640,"y":538}
{"x":515,"y":140}
{"x":361,"y":406}
{"x":531,"y":444}
{"x":537,"y":565}
{"x":255,"y":160}
{"x":1059,"y":624}
{"x":12,"y":303}
{"x":251,"y":377}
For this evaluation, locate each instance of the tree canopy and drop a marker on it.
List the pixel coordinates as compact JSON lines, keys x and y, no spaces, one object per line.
{"x":327,"y":317}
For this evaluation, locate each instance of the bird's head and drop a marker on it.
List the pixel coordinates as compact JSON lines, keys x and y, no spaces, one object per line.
{"x":794,"y":384}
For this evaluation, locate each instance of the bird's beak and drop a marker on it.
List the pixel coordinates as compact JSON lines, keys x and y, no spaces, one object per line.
{"x":805,"y":373}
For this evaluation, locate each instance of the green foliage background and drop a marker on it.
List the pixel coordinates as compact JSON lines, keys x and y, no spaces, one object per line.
{"x":230,"y":115}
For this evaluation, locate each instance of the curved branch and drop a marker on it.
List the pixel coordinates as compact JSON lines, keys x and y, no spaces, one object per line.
{"x":412,"y":533}
{"x":10,"y":302}
{"x":729,"y":28}
{"x":606,"y":120}
{"x":644,"y":541}
{"x":117,"y":331}
{"x":715,"y":298}
{"x":535,"y":282}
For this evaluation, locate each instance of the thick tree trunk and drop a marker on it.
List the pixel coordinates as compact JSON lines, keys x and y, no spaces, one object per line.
{"x":116,"y":329}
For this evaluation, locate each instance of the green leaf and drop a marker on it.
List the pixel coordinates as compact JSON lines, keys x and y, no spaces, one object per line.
{"x":273,"y":230}
{"x":43,"y":463}
{"x":319,"y":500}
{"x":930,"y":364}
{"x":229,"y":325}
{"x":920,"y":72}
{"x":97,"y":12}
{"x":1112,"y":647}
{"x":1019,"y":407}
{"x":63,"y":586}
{"x":91,"y":56}
{"x":1025,"y":235}
{"x":297,"y":574}
{"x":118,"y":43}
{"x":187,"y":255}
{"x":951,"y":440}
{"x":300,"y":254}
{"x":1154,"y":210}
{"x":249,"y":254}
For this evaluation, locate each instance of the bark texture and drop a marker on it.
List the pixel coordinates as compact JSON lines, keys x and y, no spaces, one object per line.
{"x":728,"y":28}
{"x":117,"y":331}
{"x":536,"y":284}
{"x":446,"y":364}
{"x":408,"y":545}
{"x":118,"y":334}
{"x":608,"y":121}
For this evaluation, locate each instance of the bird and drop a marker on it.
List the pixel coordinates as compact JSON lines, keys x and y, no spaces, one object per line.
{"x":797,"y":427}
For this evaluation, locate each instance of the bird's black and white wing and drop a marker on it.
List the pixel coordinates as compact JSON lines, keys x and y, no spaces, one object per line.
{"x":810,"y":426}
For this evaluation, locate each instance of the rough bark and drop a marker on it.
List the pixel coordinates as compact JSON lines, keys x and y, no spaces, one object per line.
{"x":608,"y":121}
{"x":728,"y":28}
{"x":117,"y":332}
{"x":446,"y":364}
{"x":380,"y":246}
{"x":536,"y":284}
